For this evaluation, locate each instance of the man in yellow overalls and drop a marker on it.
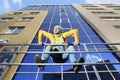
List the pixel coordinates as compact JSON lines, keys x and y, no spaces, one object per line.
{"x":59,"y":38}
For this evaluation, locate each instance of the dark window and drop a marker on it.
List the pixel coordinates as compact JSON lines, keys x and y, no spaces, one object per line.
{"x":17,"y":13}
{"x":7,"y":19}
{"x":27,"y":19}
{"x":34,"y":12}
{"x":13,"y":30}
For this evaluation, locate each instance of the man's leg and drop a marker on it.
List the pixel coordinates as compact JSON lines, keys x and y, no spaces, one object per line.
{"x":43,"y":59}
{"x":72,"y":57}
{"x":45,"y":55}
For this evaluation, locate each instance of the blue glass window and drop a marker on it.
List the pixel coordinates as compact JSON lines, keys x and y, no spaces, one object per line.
{"x":88,"y":39}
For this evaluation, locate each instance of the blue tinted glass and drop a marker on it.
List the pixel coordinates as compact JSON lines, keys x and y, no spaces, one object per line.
{"x":95,"y":40}
{"x":47,"y":20}
{"x":56,"y":20}
{"x":73,"y":20}
{"x":84,"y":40}
{"x":90,"y":32}
{"x":44,"y":25}
{"x":82,"y":33}
{"x":65,"y":25}
{"x":76,"y":25}
{"x":64,"y":16}
{"x":54,"y":24}
{"x":86,"y":35}
{"x":25,"y":77}
{"x":65,"y":20}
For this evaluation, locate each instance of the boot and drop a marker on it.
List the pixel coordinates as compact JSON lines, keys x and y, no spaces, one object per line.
{"x":78,"y":67}
{"x":38,"y":60}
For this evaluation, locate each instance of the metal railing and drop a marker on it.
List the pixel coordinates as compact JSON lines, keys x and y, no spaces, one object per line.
{"x":106,"y":50}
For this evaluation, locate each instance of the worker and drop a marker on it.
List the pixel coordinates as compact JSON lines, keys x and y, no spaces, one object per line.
{"x":59,"y":37}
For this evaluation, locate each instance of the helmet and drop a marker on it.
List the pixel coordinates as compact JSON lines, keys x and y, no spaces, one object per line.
{"x":59,"y":27}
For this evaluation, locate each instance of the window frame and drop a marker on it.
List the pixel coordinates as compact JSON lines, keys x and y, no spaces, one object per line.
{"x":13,"y":30}
{"x":94,"y":8}
{"x":5,"y":19}
{"x":26,"y":19}
{"x":102,"y":12}
{"x":117,"y":27}
{"x":110,"y":18}
{"x":17,"y":13}
{"x":34,"y":13}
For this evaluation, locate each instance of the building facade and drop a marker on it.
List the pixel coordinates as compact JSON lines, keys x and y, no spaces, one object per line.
{"x":98,"y":25}
{"x":15,"y":28}
{"x":104,"y":18}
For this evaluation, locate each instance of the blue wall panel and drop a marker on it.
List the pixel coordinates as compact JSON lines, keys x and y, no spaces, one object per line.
{"x":86,"y":35}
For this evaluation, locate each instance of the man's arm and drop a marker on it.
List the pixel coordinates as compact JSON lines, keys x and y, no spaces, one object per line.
{"x":46,"y":34}
{"x":73,"y":32}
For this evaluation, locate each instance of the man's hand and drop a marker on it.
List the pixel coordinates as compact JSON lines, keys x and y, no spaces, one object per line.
{"x":75,"y":43}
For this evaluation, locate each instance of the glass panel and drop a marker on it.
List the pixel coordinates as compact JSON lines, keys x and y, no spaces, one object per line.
{"x":26,"y":77}
{"x":10,"y":30}
{"x":17,"y":30}
{"x":34,"y":12}
{"x":17,"y":13}
{"x":5,"y":19}
{"x":27,"y":19}
{"x":6,"y":58}
{"x":96,"y":61}
{"x":14,"y":30}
